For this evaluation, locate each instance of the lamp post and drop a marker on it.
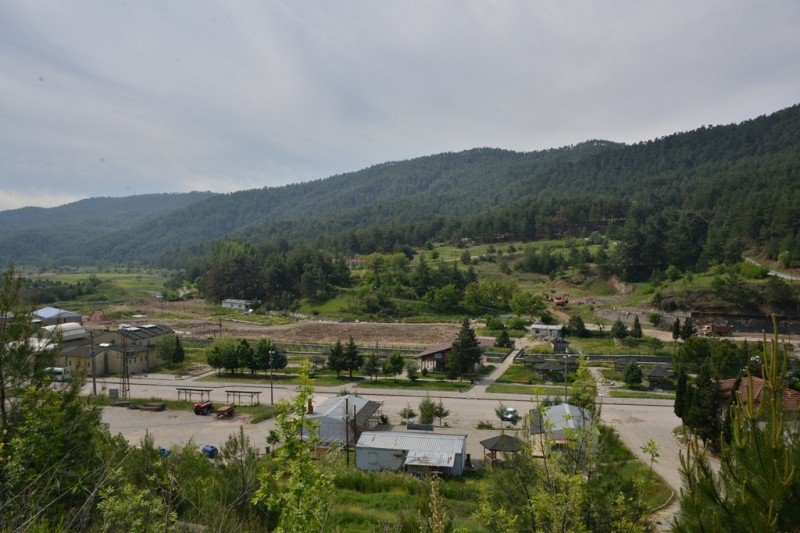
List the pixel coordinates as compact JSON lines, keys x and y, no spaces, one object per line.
{"x":271,"y":373}
{"x":565,"y":377}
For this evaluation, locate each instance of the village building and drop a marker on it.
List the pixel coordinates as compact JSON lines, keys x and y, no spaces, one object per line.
{"x":504,"y":444}
{"x":434,"y":359}
{"x":660,"y":377}
{"x":417,"y":453}
{"x":341,"y":420}
{"x":50,"y":316}
{"x":791,"y":398}
{"x":560,"y":422}
{"x":546,"y":331}
{"x":238,"y":305}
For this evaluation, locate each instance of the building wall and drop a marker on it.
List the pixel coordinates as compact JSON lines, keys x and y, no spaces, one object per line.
{"x":379,"y":459}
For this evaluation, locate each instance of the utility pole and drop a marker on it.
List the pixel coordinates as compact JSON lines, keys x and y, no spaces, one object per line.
{"x":94,"y":367}
{"x":347,"y":430}
{"x":565,"y":378}
{"x":126,"y":380}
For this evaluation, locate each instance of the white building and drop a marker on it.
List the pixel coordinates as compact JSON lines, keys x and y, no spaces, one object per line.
{"x":332,"y":414}
{"x":546,"y":331}
{"x":239,"y":305}
{"x":412,"y":452}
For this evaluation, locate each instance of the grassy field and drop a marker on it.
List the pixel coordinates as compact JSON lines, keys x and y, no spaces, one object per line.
{"x":641,"y":394}
{"x":529,"y":390}
{"x":456,"y":386}
{"x":605,"y":344}
{"x":321,"y":379}
{"x":518,"y":372}
{"x":138,"y":280}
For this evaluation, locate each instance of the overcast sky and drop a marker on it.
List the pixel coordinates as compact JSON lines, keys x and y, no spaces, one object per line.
{"x":115,"y":98}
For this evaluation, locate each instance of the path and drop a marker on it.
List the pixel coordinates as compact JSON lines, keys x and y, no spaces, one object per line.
{"x":775,"y":273}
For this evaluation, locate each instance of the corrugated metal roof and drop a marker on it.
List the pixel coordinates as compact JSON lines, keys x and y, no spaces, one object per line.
{"x":335,"y":408}
{"x":53,"y":312}
{"x":418,"y":442}
{"x":443,"y":460}
{"x":562,"y":416}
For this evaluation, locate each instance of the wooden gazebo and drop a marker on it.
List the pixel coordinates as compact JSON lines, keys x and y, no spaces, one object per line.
{"x":499,"y":443}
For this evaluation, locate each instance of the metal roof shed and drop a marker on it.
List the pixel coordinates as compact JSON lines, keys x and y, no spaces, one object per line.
{"x":331,"y":415}
{"x":414,"y":452}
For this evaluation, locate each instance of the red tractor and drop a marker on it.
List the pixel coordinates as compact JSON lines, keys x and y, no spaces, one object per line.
{"x":203,"y":408}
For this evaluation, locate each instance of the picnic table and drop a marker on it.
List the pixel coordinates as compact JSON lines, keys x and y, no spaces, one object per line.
{"x":188,"y":392}
{"x":235,"y":396}
{"x":225,"y":410}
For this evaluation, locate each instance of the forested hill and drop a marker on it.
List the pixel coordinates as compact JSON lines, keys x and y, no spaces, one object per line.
{"x":33,"y":234}
{"x":720,"y":185}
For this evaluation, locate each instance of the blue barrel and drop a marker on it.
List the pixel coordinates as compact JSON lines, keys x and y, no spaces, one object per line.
{"x":163,"y":452}
{"x":210,"y":451}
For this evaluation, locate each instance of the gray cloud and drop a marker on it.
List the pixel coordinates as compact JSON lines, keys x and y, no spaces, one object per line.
{"x":124,"y":98}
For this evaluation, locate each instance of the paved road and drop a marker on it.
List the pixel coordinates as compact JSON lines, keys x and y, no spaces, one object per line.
{"x":771,"y":272}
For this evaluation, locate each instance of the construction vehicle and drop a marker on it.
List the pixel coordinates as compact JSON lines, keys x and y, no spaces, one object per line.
{"x":717,"y":329}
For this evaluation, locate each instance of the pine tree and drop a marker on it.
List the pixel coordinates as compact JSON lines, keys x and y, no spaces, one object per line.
{"x":676,"y":329}
{"x":687,"y":330}
{"x":336,"y":358}
{"x":179,"y":355}
{"x":632,"y":375}
{"x":636,"y":330}
{"x":680,"y":393}
{"x":372,"y":366}
{"x":353,"y":360}
{"x":503,"y":339}
{"x":619,"y":330}
{"x":705,"y":414}
{"x":466,"y":352}
{"x":427,"y":410}
{"x":757,"y":485}
{"x":441,"y":412}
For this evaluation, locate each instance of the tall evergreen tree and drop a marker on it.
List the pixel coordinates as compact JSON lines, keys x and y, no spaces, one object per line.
{"x":372,"y":366}
{"x":688,"y":329}
{"x":757,"y":485}
{"x":336,"y":358}
{"x":636,"y":330}
{"x":465,"y":354}
{"x":704,"y":416}
{"x":619,"y":330}
{"x":353,"y":359}
{"x":680,"y":393}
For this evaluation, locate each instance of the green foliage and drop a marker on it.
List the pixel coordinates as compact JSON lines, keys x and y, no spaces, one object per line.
{"x":372,"y":366}
{"x":407,"y":413}
{"x":337,"y":358}
{"x":619,"y":330}
{"x":353,"y":360}
{"x":440,"y":411}
{"x":304,"y":492}
{"x":688,"y":329}
{"x":465,"y":354}
{"x":427,"y":410}
{"x":705,"y":410}
{"x":756,"y":486}
{"x":654,"y":319}
{"x":681,"y":391}
{"x":576,"y":327}
{"x":676,"y":329}
{"x":133,"y":509}
{"x":636,"y":330}
{"x":503,"y":340}
{"x":632,"y":375}
{"x":394,"y":364}
{"x":412,"y":371}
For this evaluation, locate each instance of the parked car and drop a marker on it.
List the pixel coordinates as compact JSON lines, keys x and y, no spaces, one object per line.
{"x":57,"y":373}
{"x":510,"y":414}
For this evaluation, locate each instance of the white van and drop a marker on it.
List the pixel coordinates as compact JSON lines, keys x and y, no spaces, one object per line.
{"x":57,"y":373}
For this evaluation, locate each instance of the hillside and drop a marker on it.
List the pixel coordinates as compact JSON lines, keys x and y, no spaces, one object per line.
{"x":723,"y":186}
{"x":37,"y":235}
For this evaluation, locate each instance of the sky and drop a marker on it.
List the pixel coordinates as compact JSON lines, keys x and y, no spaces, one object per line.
{"x":116,"y":98}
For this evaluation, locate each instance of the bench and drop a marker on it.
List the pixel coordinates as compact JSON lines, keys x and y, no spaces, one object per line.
{"x":525,"y":381}
{"x":188,"y":393}
{"x":153,"y":406}
{"x":225,"y":410}
{"x":234,"y":397}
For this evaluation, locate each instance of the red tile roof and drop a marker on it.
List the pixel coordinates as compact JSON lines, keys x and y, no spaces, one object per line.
{"x":791,"y":398}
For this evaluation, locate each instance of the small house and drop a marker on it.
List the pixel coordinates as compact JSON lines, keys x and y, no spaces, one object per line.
{"x":660,"y":377}
{"x":341,"y":419}
{"x":238,"y":305}
{"x":791,"y":398}
{"x":418,"y":453}
{"x":50,"y":316}
{"x":560,"y":422}
{"x":546,"y":331}
{"x":434,"y":359}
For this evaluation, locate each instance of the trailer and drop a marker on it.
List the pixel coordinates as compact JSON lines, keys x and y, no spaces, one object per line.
{"x":717,"y":329}
{"x":203,"y":408}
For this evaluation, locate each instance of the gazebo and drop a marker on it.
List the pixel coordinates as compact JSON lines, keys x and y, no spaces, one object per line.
{"x":500,"y":443}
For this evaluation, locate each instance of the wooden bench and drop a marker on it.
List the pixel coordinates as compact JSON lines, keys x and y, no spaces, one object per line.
{"x":188,"y":393}
{"x":525,"y":381}
{"x":234,"y":397}
{"x":225,"y":410}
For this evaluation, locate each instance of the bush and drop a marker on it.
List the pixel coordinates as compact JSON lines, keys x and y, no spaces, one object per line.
{"x":484,"y":424}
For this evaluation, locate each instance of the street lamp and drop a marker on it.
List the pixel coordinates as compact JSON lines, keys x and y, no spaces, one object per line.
{"x":271,"y":366}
